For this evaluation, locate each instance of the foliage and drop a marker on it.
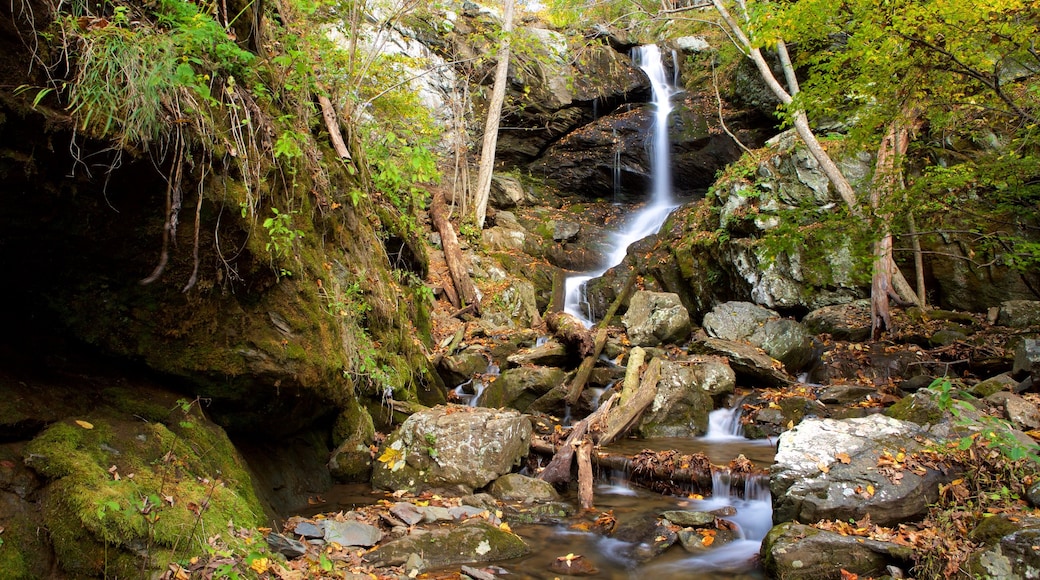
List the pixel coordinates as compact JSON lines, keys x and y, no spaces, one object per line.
{"x":281,"y":233}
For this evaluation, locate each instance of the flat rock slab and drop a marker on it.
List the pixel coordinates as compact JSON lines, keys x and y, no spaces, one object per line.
{"x":472,"y":541}
{"x":795,"y":551}
{"x":746,"y":360}
{"x":351,"y":533}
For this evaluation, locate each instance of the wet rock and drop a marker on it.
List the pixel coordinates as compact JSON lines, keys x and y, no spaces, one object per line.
{"x":519,"y":387}
{"x":700,"y":541}
{"x":452,"y":446}
{"x":351,"y":533}
{"x":810,"y":482}
{"x":844,"y":394}
{"x":795,"y":551}
{"x":407,"y":513}
{"x":746,"y":360}
{"x":476,"y":574}
{"x":689,"y":519}
{"x":1033,"y":494}
{"x":577,"y":565}
{"x":681,"y":406}
{"x":736,"y":320}
{"x":540,"y":513}
{"x":648,"y":537}
{"x":459,"y":368}
{"x":474,"y":540}
{"x":516,"y":487}
{"x":655,"y":318}
{"x":287,"y":547}
{"x":1019,"y":313}
{"x":849,"y":322}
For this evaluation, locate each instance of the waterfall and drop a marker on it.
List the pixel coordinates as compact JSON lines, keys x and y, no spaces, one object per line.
{"x":649,"y":219}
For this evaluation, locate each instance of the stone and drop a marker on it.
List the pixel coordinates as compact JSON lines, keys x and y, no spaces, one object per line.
{"x":785,"y":340}
{"x":435,"y":513}
{"x":513,"y":307}
{"x":647,"y":537}
{"x":680,"y":408}
{"x":946,"y":337}
{"x":697,"y":541}
{"x":1001,"y":382}
{"x":519,"y":387}
{"x":459,"y":368}
{"x":844,"y":394}
{"x":506,"y":192}
{"x":476,"y":574}
{"x":452,"y":446}
{"x":1022,"y":414}
{"x":564,"y":231}
{"x":474,"y":540}
{"x":745,"y":360}
{"x":1019,"y":313}
{"x":576,"y":565}
{"x":849,"y":322}
{"x":552,"y":353}
{"x":287,"y":547}
{"x":795,"y":551}
{"x":1027,"y":359}
{"x":692,"y":44}
{"x":309,"y":530}
{"x":516,"y":487}
{"x":656,"y":318}
{"x":809,"y":482}
{"x":689,"y":519}
{"x":406,"y":512}
{"x":351,"y":533}
{"x":736,"y":320}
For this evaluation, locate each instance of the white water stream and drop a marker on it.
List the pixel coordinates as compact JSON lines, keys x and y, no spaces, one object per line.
{"x":649,"y":219}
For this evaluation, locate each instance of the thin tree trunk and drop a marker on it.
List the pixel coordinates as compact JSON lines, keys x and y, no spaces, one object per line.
{"x":498,"y":93}
{"x":915,"y":242}
{"x":467,"y":292}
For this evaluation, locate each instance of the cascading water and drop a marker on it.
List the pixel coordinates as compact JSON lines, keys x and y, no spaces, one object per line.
{"x":649,"y":219}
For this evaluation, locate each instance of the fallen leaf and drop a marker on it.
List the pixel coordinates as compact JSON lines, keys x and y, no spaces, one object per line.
{"x":823,"y":467}
{"x":843,"y":457}
{"x":84,"y":424}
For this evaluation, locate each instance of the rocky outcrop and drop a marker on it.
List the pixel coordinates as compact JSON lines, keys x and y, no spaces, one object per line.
{"x":830,"y":469}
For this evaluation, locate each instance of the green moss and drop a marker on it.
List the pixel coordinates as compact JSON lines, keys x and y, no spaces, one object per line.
{"x":122,"y":488}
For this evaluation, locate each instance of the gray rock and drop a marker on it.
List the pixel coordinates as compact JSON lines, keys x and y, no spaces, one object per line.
{"x":693,"y":541}
{"x":946,"y":337}
{"x":809,"y":482}
{"x":844,"y":394}
{"x":467,"y":511}
{"x":552,"y":353}
{"x":309,"y":530}
{"x":435,"y":513}
{"x":565,"y":231}
{"x":746,"y":360}
{"x":1019,"y":313}
{"x":689,"y":519}
{"x":459,"y":368}
{"x":1023,"y":414}
{"x":352,"y":533}
{"x":692,"y":44}
{"x":287,"y":547}
{"x":736,"y":320}
{"x":795,"y":551}
{"x":515,"y":307}
{"x":785,"y":340}
{"x":843,"y":321}
{"x":406,"y":512}
{"x":1013,"y":556}
{"x":506,"y":192}
{"x":452,"y":446}
{"x":476,"y":574}
{"x":681,"y":406}
{"x":516,"y":487}
{"x":1027,"y":359}
{"x":655,"y":318}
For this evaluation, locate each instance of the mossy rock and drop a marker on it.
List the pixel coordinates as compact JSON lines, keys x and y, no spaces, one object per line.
{"x":126,"y":495}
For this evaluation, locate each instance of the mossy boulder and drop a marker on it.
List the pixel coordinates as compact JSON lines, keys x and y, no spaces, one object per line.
{"x":475,"y":540}
{"x":125,"y":495}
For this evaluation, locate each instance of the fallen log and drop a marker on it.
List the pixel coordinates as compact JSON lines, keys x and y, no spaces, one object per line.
{"x":671,"y":468}
{"x":627,"y":413}
{"x":582,"y":376}
{"x":585,"y":477}
{"x":467,"y":291}
{"x":559,"y":468}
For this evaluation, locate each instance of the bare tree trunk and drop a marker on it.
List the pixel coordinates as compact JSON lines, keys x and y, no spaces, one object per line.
{"x":915,"y":242}
{"x":498,"y":94}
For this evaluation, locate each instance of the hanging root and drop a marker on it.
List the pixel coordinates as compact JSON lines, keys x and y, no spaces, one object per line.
{"x":173,"y":208}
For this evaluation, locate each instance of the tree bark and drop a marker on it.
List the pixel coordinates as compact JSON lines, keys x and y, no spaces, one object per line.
{"x":585,"y":477}
{"x":467,"y":292}
{"x":559,"y":468}
{"x":498,"y":93}
{"x":623,"y":417}
{"x":582,"y":376}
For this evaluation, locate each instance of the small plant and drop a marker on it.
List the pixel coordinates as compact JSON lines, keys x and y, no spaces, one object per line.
{"x":279,"y":229}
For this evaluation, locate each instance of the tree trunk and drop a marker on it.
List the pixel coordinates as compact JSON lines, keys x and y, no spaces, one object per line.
{"x":585,"y":477}
{"x":467,"y":292}
{"x":498,"y":93}
{"x":559,"y":468}
{"x":623,"y":417}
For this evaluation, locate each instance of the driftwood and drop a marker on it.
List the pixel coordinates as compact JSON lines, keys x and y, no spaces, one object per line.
{"x":585,"y":477}
{"x":467,"y":292}
{"x":559,"y":468}
{"x":571,"y":332}
{"x":328,"y":112}
{"x":582,"y":376}
{"x":624,"y":416}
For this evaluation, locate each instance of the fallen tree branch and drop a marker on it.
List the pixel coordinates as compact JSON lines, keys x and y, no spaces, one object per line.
{"x":585,"y":370}
{"x":467,"y":292}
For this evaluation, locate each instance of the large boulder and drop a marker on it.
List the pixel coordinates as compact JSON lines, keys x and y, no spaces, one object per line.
{"x":475,"y":540}
{"x":655,"y":318}
{"x":736,"y":320}
{"x":1019,"y":313}
{"x":747,"y":361}
{"x":462,"y":448}
{"x":785,"y":340}
{"x":519,"y":387}
{"x":796,"y":551}
{"x":841,"y":469}
{"x":684,"y":399}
